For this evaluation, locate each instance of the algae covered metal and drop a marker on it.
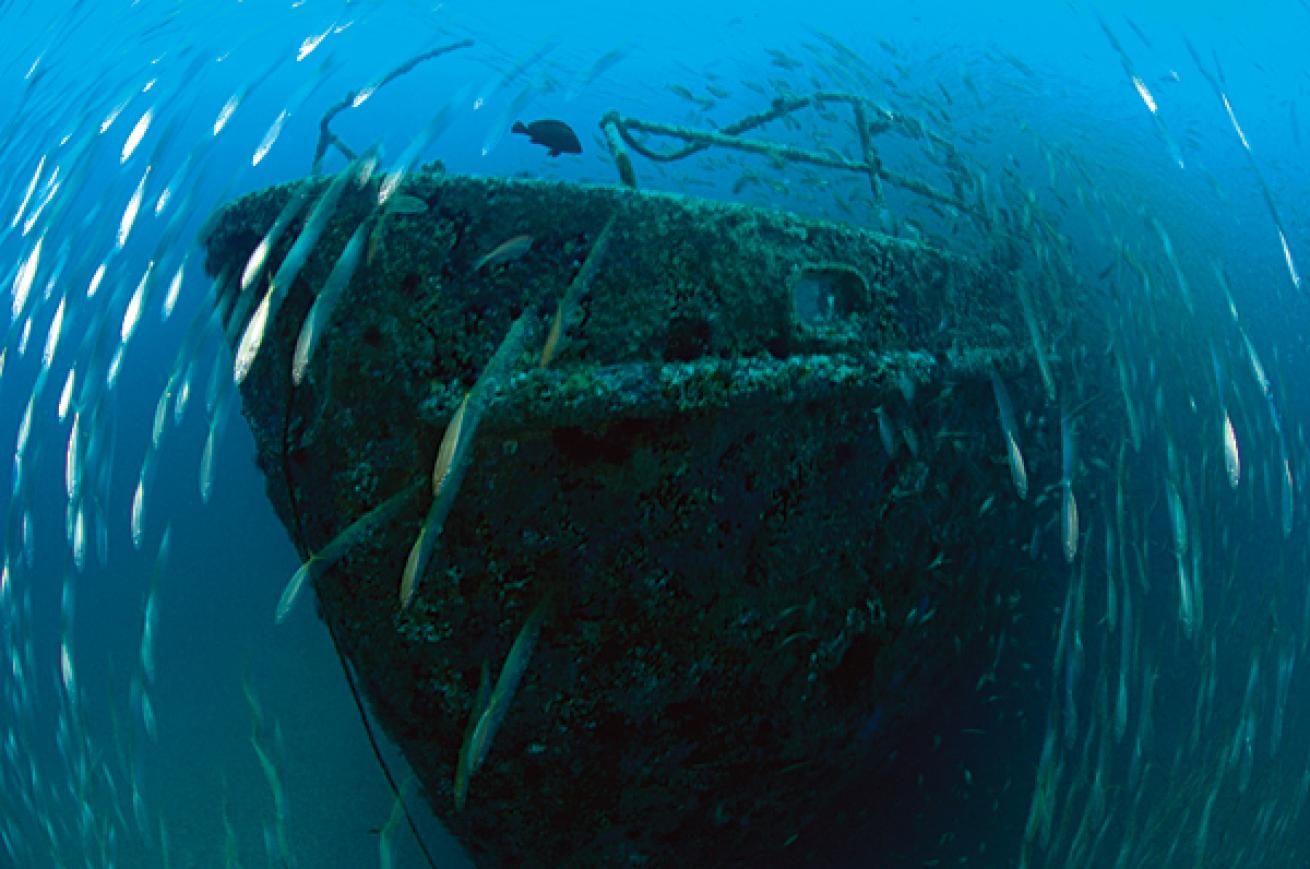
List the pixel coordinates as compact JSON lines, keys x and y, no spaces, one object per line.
{"x":742,"y":508}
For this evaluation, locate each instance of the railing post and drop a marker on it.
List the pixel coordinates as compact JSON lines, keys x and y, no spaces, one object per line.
{"x":610,"y":124}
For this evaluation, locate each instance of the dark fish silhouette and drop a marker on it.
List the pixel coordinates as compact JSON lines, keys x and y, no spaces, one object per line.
{"x":557,"y":136}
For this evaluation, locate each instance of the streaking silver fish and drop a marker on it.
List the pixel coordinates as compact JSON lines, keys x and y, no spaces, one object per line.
{"x":259,"y":256}
{"x":1177,"y":517}
{"x":1068,"y":505}
{"x":1009,"y":433}
{"x":320,"y":313}
{"x":1125,"y":652}
{"x":1068,"y":524}
{"x":130,"y":212}
{"x":392,"y":180}
{"x":144,"y":486}
{"x":253,"y":336}
{"x":150,"y":622}
{"x":885,"y":431}
{"x":1289,"y":486}
{"x":217,"y":425}
{"x":1183,"y":286}
{"x":1184,"y":598}
{"x":1035,"y":336}
{"x":1232,"y":460}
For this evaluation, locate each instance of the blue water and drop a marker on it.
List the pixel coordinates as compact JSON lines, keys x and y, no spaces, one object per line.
{"x":1033,"y":86}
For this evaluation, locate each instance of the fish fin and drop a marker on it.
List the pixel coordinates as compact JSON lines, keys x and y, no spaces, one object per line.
{"x":553,"y":152}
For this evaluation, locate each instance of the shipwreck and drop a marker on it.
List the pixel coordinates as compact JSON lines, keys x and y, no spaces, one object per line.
{"x":734,"y":500}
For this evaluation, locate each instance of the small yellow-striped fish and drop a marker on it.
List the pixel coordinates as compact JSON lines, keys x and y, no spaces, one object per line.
{"x":403,"y":203}
{"x":478,"y":741}
{"x":573,"y":294}
{"x":454,"y":454}
{"x":552,"y":337}
{"x":475,"y":714}
{"x":507,"y":250}
{"x":341,"y":544}
{"x":449,"y":443}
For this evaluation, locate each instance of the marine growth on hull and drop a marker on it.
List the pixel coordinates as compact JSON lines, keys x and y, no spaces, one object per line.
{"x":646,"y":521}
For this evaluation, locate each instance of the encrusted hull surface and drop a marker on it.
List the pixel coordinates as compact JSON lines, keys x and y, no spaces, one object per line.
{"x":749,"y":595}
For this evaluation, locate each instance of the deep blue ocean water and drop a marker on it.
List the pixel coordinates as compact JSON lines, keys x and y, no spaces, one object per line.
{"x":1032,"y":87}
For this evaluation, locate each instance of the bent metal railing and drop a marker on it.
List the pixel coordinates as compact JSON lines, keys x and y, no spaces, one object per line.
{"x":870,"y":120}
{"x":621,"y":134}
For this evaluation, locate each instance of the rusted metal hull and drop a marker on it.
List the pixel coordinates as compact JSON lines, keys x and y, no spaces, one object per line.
{"x":750,"y":593}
